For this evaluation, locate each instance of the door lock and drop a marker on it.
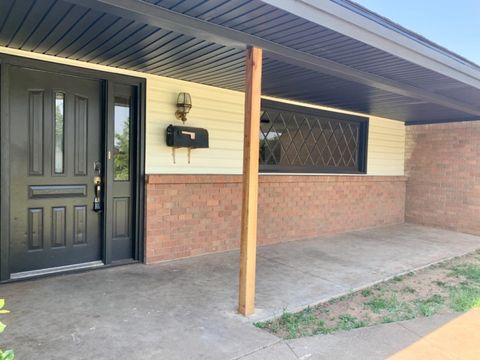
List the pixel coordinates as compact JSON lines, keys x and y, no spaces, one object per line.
{"x":97,"y":167}
{"x":97,"y":200}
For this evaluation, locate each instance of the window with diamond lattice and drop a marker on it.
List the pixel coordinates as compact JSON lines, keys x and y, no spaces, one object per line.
{"x":297,"y":139}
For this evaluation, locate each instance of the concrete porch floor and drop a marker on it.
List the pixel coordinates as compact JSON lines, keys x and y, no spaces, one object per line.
{"x":186,"y":309}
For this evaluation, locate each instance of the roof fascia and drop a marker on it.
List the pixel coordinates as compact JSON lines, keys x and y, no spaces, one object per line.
{"x":347,"y":22}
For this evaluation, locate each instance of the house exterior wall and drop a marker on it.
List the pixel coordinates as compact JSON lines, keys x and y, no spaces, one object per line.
{"x":221,"y":112}
{"x":194,"y":208}
{"x":443,"y":169}
{"x":190,"y":215}
{"x":218,"y":110}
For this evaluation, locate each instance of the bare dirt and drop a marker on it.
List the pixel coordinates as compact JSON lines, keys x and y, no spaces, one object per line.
{"x":446,"y":287}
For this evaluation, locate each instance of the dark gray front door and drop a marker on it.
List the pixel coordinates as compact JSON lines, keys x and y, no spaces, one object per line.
{"x":56,"y":150}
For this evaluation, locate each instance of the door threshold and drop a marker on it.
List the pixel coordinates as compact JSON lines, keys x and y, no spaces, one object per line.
{"x":58,"y":269}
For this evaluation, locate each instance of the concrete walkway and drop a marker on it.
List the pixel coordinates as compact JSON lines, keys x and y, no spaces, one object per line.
{"x":442,"y":337}
{"x":187,"y":309}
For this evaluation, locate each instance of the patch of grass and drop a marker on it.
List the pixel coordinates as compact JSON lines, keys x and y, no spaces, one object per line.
{"x":409,"y":290}
{"x":294,"y":321}
{"x":430,"y":306}
{"x":439,"y":283}
{"x":387,"y":320}
{"x":397,"y":310}
{"x":377,"y":304}
{"x":463,"y":298}
{"x":349,"y":322}
{"x":397,"y":278}
{"x":366,"y":292}
{"x":303,"y":323}
{"x":468,"y":271}
{"x":321,"y":329}
{"x":261,"y":324}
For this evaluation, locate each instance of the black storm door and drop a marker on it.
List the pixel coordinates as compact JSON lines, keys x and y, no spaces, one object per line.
{"x":121,"y":164}
{"x":56,"y":152}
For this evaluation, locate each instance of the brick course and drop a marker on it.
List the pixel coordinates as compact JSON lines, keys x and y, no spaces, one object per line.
{"x":442,"y":162}
{"x":188,"y":215}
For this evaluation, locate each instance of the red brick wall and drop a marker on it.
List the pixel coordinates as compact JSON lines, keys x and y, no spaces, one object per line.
{"x":189,"y":215}
{"x":443,"y":166}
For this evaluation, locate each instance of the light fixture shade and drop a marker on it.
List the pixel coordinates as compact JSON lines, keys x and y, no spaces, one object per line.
{"x":184,"y":102}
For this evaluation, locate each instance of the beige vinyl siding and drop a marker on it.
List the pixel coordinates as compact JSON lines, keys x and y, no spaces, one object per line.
{"x":220,"y":111}
{"x":386,"y":147}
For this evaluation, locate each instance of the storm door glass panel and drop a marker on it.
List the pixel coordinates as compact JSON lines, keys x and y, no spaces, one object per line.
{"x":121,"y":153}
{"x":59,"y":132}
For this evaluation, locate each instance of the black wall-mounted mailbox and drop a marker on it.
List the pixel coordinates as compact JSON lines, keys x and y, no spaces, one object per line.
{"x":187,"y":137}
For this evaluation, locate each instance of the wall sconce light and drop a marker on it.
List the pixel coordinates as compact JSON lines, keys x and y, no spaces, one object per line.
{"x":264,"y":119}
{"x":184,"y":104}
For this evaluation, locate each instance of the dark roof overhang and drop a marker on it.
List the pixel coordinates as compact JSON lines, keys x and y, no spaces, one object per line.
{"x":333,"y":54}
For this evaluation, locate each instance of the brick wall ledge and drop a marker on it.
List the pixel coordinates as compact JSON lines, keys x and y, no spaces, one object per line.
{"x":223,"y":179}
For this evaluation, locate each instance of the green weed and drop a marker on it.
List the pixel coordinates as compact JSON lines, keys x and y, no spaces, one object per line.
{"x":468,"y":271}
{"x":303,"y":323}
{"x":463,"y":298}
{"x":397,"y":310}
{"x":430,"y":306}
{"x":377,"y":304}
{"x":349,"y":322}
{"x":366,"y":292}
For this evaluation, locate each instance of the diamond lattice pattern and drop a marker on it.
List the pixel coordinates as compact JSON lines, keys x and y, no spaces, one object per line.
{"x":293,"y":139}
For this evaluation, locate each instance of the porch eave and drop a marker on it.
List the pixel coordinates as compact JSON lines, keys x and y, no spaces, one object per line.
{"x":166,"y":42}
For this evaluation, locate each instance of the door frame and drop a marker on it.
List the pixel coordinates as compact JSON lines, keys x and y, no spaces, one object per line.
{"x":107,"y":80}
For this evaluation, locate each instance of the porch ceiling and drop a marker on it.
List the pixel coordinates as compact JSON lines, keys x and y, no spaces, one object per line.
{"x":204,"y":41}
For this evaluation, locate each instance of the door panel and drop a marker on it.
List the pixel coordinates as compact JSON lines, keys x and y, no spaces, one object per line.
{"x":121,"y":167}
{"x":56,"y":137}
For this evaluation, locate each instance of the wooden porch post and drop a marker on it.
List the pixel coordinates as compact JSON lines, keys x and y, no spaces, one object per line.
{"x":248,"y":246}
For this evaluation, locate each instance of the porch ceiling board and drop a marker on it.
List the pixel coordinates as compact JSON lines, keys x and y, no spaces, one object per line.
{"x":306,"y":85}
{"x":280,"y":27}
{"x":204,"y":42}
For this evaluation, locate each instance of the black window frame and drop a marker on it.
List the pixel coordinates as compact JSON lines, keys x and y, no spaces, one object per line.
{"x":363,"y":124}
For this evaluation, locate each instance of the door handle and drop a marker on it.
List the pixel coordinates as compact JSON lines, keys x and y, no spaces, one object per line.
{"x":97,"y":200}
